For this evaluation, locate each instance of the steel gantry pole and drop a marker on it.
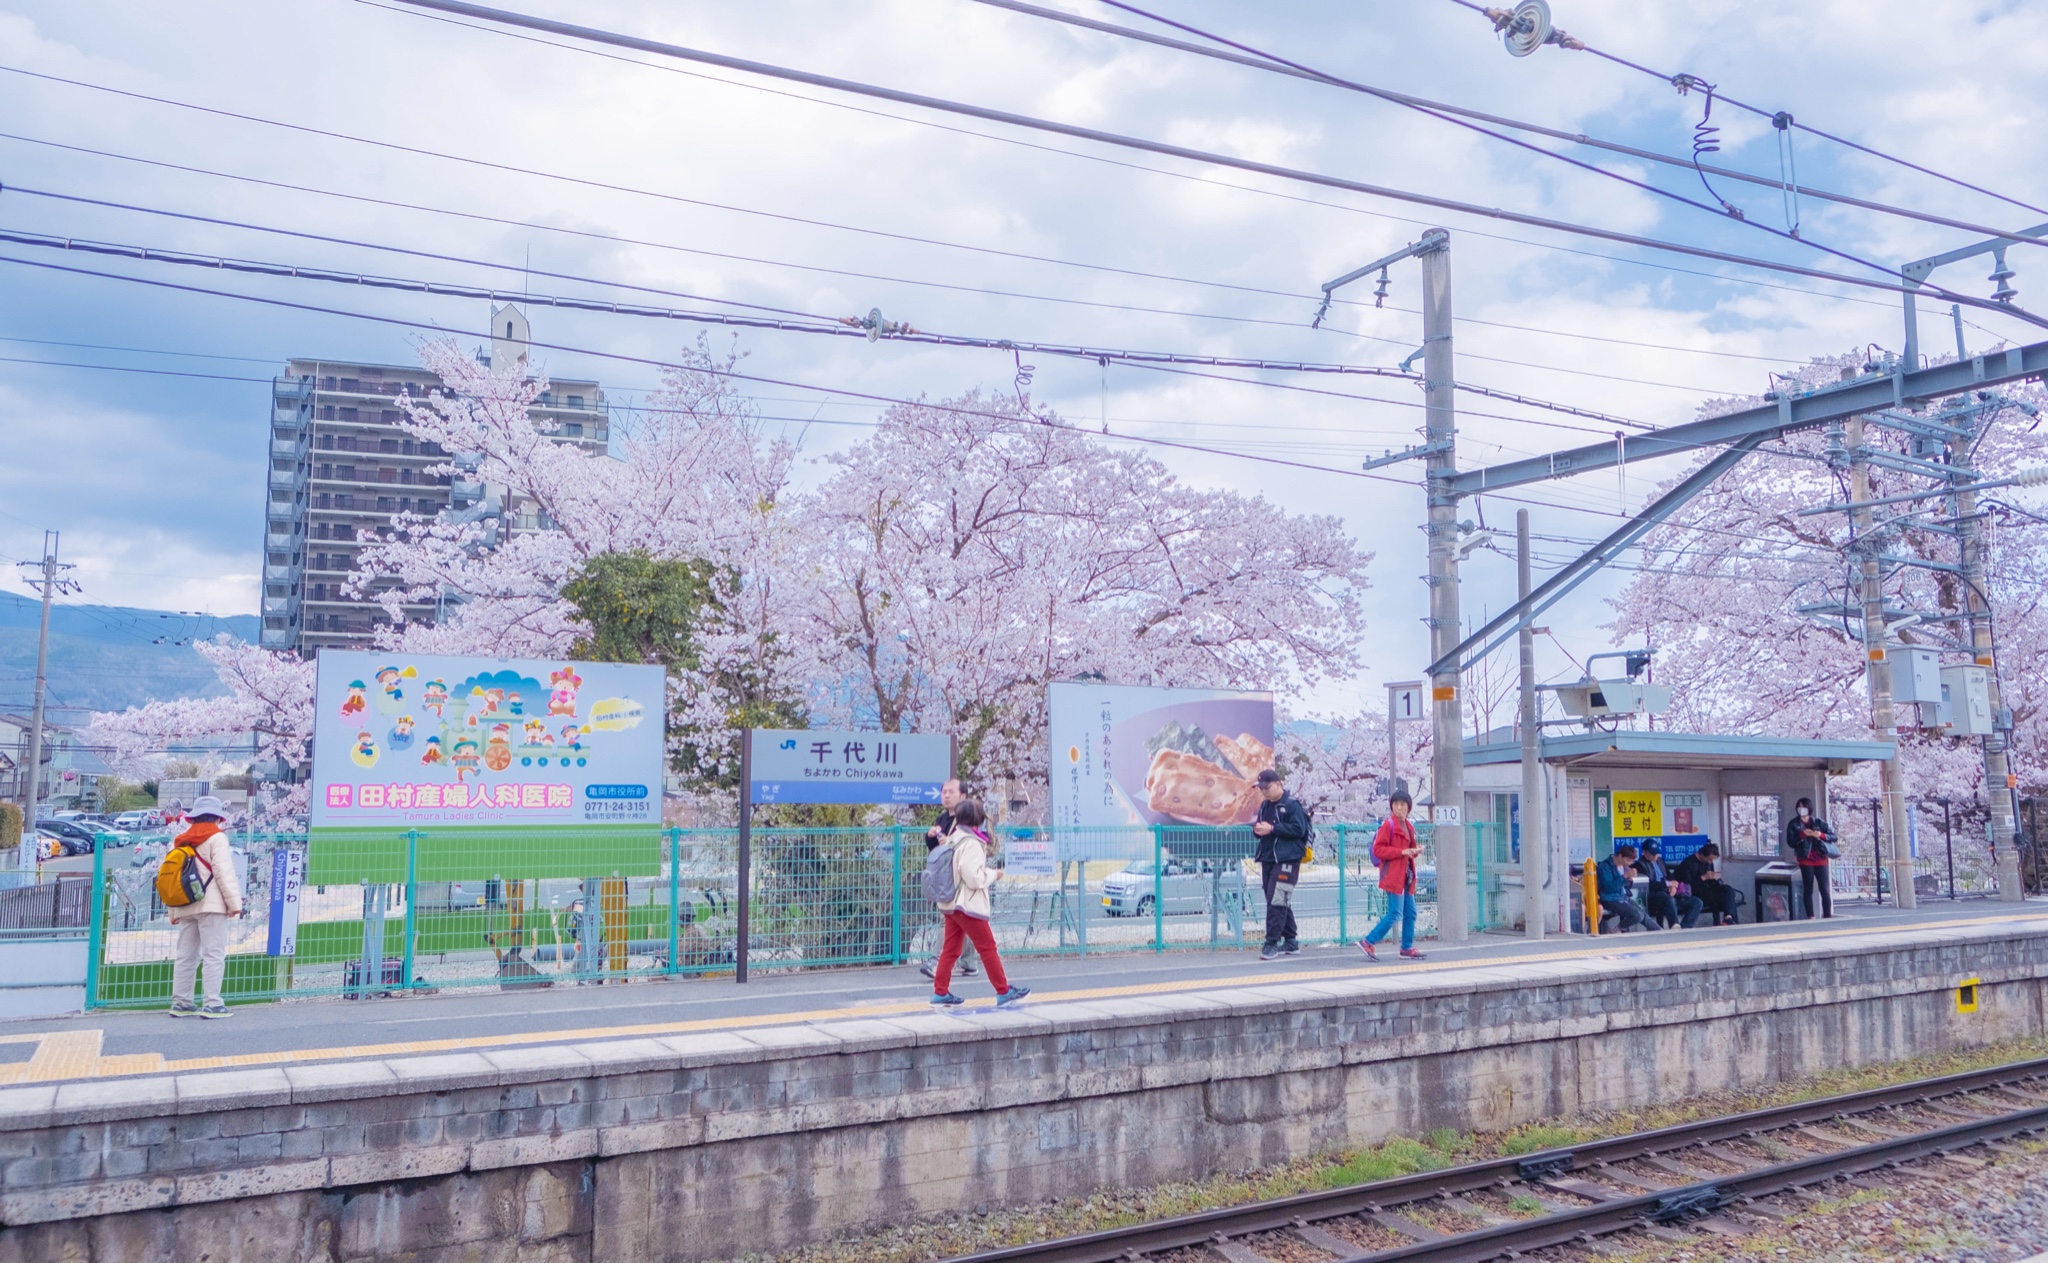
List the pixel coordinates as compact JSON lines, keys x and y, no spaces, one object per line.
{"x":1998,"y":778}
{"x":1869,"y":549}
{"x":1447,"y":728}
{"x":1535,"y":810}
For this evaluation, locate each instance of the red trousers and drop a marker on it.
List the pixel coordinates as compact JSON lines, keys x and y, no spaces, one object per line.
{"x":960,"y":927}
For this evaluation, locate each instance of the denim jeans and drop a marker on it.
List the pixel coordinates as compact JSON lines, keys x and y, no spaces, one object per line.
{"x":1402,"y":906}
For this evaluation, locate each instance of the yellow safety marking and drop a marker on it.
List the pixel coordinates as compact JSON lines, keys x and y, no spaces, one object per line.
{"x":71,"y":1059}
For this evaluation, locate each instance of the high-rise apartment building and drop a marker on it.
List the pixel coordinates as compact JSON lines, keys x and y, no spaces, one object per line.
{"x":341,"y":465}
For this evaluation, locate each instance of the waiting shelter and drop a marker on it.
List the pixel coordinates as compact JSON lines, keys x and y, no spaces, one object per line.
{"x":1680,"y":789}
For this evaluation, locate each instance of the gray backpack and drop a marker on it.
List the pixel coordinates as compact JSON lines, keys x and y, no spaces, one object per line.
{"x":941,"y":883}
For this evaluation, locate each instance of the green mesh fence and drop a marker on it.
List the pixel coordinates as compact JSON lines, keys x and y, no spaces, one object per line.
{"x":466,"y":916}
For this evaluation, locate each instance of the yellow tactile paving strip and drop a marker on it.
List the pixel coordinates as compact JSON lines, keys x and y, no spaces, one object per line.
{"x":65,"y":1055}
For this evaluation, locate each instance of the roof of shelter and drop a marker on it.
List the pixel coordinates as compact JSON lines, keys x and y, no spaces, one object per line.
{"x":1632,"y":748}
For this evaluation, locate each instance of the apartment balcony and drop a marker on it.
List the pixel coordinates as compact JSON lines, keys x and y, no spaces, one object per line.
{"x":280,"y":574}
{"x":282,"y":543}
{"x":288,"y":479}
{"x":278,"y":605}
{"x":287,"y":449}
{"x":291,"y":390}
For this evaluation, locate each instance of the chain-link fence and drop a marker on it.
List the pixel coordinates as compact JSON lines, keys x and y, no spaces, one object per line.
{"x":818,"y":898}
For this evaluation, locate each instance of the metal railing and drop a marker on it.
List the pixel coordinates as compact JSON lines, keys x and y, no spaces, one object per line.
{"x":819,"y":898}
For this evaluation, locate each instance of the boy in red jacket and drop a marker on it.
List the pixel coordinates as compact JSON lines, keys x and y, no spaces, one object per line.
{"x":1395,"y":850}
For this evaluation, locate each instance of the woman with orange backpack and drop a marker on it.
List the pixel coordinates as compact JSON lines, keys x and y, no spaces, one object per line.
{"x":196,"y":881}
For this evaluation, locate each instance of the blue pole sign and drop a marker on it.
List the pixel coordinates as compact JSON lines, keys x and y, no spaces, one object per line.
{"x":811,"y":766}
{"x":287,"y":878}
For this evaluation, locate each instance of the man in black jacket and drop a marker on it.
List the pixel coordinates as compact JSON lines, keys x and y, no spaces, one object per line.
{"x":1667,"y":906}
{"x":1282,"y":830}
{"x":1702,"y":872}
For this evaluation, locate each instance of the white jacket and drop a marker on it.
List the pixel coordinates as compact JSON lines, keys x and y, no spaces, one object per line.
{"x":224,"y":892}
{"x":974,"y":873}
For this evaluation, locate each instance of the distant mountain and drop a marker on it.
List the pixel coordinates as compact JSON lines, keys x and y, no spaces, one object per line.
{"x":108,"y":657}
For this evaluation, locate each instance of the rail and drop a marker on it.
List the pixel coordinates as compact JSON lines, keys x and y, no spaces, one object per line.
{"x":1545,"y":1175}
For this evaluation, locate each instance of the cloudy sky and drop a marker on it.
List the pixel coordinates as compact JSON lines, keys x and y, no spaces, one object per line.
{"x":620,"y":167}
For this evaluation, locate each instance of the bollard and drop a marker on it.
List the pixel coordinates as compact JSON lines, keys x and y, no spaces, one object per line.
{"x":1589,"y":897}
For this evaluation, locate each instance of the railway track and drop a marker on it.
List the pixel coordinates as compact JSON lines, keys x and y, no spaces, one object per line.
{"x":1719,"y":1177}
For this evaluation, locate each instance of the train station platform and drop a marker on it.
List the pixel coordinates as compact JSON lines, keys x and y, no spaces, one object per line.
{"x":120,"y":1043}
{"x":703,"y":1120}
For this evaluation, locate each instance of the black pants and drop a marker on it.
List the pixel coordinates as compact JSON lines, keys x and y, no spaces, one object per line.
{"x":1811,"y":876}
{"x":1667,"y":909}
{"x":1719,"y":898}
{"x":1630,"y":912}
{"x":1278,"y":881}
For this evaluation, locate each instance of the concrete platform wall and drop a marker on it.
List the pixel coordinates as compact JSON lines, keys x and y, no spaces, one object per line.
{"x":709,"y":1146}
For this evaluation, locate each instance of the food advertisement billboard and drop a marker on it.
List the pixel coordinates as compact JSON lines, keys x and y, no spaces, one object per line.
{"x":504,"y":767}
{"x":1128,"y":755}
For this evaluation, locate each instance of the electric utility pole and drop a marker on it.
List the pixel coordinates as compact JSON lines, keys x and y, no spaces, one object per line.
{"x":1869,"y":549}
{"x":1535,"y":817}
{"x":1439,"y":452}
{"x":1439,"y":436}
{"x":48,"y":577}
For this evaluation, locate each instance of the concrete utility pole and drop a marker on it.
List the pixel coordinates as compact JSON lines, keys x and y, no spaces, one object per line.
{"x":1998,"y":778}
{"x":1535,"y":816}
{"x":33,"y":775}
{"x":1878,"y":667}
{"x":1447,"y":755}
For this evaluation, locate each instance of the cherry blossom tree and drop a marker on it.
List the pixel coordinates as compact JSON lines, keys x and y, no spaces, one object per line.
{"x":973,"y":551}
{"x":1748,"y":603}
{"x":269,"y":698}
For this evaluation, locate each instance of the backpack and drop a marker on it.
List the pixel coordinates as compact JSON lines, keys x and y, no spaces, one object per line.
{"x":180,"y":882}
{"x":941,"y":883}
{"x":1308,"y":842}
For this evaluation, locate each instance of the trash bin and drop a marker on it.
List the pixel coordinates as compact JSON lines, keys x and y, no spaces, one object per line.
{"x":1778,"y":893}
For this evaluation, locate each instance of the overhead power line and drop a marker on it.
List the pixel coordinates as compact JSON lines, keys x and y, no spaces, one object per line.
{"x":803,"y":322}
{"x":730,"y":374}
{"x":1259,"y":59}
{"x":598,"y":35}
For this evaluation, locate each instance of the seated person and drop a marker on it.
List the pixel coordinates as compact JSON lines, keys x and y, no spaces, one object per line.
{"x":1701,"y":873}
{"x":1667,"y":906}
{"x":1617,"y":889}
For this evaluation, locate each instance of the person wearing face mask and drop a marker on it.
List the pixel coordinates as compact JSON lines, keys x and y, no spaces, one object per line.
{"x":1811,"y":840}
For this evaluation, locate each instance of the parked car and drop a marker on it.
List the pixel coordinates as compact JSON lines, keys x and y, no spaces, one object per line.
{"x":78,"y":839}
{"x":135,"y":821}
{"x":1184,"y":885}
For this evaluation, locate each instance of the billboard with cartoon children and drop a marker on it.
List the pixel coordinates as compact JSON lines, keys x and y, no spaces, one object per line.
{"x":503,"y":767}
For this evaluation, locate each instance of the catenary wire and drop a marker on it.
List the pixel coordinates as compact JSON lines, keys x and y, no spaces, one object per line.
{"x":1592,"y":168}
{"x":1264,"y":62}
{"x":1568,"y":227}
{"x":477,"y":217}
{"x":944,"y":105}
{"x":1790,"y":121}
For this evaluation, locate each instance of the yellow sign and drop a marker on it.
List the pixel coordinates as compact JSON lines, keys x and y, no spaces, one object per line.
{"x":1638,"y":813}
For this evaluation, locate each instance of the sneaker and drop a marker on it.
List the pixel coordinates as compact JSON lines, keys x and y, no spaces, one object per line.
{"x":1269,"y":953}
{"x":1409,"y":953}
{"x":929,"y":969}
{"x":1365,"y":945}
{"x":946,"y":1000}
{"x":183,"y":1008}
{"x":1012,"y":996}
{"x":1290,"y":949}
{"x":215,"y":1009}
{"x":968,"y":969}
